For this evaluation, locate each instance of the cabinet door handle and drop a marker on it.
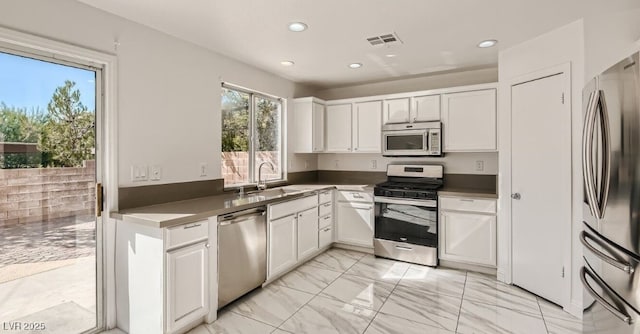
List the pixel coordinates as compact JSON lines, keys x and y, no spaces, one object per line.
{"x":466,"y":200}
{"x":327,"y":205}
{"x":326,"y":229}
{"x":327,"y":218}
{"x":207,"y":245}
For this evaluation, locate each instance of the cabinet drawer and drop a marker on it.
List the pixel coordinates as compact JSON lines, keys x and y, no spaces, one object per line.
{"x":325,"y":221}
{"x":468,"y":204}
{"x":186,"y":234}
{"x":291,"y":207}
{"x":325,"y":209}
{"x":325,"y":236}
{"x":325,"y":196}
{"x":355,"y":196}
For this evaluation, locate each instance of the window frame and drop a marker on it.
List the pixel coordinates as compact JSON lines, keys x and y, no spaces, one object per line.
{"x":253,"y":135}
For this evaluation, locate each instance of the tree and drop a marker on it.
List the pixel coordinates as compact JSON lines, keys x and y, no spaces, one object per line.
{"x":235,"y":122}
{"x":69,"y":132}
{"x":17,"y":125}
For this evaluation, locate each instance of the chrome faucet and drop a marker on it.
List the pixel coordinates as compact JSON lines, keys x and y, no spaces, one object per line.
{"x":262,"y":185}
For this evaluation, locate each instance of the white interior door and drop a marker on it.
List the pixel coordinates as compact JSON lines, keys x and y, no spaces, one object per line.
{"x":541,"y":175}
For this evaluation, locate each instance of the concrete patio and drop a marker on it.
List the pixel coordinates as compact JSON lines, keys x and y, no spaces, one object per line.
{"x":47,"y":275}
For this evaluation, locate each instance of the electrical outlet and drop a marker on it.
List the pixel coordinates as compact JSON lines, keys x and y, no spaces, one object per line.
{"x":203,"y":169}
{"x":156,"y":173}
{"x":479,"y":165}
{"x":374,"y":164}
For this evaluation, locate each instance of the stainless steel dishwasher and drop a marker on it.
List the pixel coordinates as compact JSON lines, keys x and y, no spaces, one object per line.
{"x":242,"y":253}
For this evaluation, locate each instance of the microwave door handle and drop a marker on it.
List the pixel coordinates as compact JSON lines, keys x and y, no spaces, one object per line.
{"x":603,"y":194}
{"x":427,"y":143}
{"x":587,"y":153}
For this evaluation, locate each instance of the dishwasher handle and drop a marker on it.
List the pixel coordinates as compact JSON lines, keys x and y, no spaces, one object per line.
{"x":240,"y":217}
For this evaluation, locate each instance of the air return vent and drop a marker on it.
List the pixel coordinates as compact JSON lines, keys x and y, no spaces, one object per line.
{"x":386,"y":39}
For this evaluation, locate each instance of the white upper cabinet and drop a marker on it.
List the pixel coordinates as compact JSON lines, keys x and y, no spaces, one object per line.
{"x":309,"y":125}
{"x":367,"y":130}
{"x":425,"y":108}
{"x":396,"y":111}
{"x":469,"y":121}
{"x":338,"y":122}
{"x":317,"y":128}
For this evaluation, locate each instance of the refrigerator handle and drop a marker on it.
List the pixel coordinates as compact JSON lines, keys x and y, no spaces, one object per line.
{"x":614,"y":260}
{"x":587,"y":153}
{"x":606,"y":154}
{"x":619,"y":311}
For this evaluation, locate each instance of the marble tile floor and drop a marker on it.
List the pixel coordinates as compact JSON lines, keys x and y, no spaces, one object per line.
{"x":342,"y":291}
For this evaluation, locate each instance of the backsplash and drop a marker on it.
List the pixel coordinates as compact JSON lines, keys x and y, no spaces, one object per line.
{"x":454,"y":163}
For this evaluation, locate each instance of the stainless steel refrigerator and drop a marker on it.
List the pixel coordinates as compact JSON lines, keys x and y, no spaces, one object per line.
{"x":611,"y":171}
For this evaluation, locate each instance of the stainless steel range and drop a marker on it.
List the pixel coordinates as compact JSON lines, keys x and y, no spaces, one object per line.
{"x":406,"y":214}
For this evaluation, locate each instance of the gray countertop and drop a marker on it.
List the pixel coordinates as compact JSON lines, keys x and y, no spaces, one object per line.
{"x":189,"y":211}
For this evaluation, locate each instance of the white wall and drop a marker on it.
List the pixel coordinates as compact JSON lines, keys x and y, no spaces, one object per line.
{"x":554,"y":48}
{"x":454,"y":163}
{"x":609,"y":37}
{"x":442,"y":80}
{"x":169,"y":90}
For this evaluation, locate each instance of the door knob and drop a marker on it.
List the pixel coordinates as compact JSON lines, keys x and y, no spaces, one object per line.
{"x":515,"y":196}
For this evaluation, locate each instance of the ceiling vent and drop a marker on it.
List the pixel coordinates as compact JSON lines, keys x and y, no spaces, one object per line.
{"x":386,"y":39}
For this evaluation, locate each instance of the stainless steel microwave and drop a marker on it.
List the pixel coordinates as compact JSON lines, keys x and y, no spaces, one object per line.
{"x":412,"y":139}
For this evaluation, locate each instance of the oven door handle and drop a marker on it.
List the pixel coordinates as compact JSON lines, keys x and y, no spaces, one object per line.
{"x":422,"y":203}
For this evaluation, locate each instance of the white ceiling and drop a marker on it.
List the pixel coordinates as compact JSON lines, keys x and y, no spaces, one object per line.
{"x":438,"y":35}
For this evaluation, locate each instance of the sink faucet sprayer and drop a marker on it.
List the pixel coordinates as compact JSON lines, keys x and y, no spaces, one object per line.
{"x":262,"y":185}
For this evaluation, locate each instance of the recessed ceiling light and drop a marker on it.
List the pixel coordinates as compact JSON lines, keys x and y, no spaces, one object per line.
{"x":297,"y":26}
{"x":355,"y":65}
{"x":487,"y":44}
{"x":390,"y":55}
{"x":287,"y":63}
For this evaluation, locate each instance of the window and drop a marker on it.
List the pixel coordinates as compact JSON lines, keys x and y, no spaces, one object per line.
{"x":251,"y":134}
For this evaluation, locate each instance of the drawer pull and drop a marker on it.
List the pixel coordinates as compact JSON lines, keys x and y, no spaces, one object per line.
{"x":403,"y":239}
{"x":356,"y":195}
{"x":403,"y":248}
{"x":327,"y":205}
{"x":207,"y":245}
{"x":192,"y":226}
{"x":466,"y":200}
{"x":327,"y":218}
{"x":326,"y":229}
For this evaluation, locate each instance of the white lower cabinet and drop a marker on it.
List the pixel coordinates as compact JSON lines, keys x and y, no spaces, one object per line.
{"x":325,"y":236}
{"x":166,"y":274}
{"x":355,"y":223}
{"x":468,"y":236}
{"x":282,"y":253}
{"x":187,"y":285}
{"x":307,"y":232}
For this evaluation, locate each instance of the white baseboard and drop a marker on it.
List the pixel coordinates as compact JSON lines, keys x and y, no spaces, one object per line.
{"x":468,"y":267}
{"x":353,"y":248}
{"x":574,"y":308}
